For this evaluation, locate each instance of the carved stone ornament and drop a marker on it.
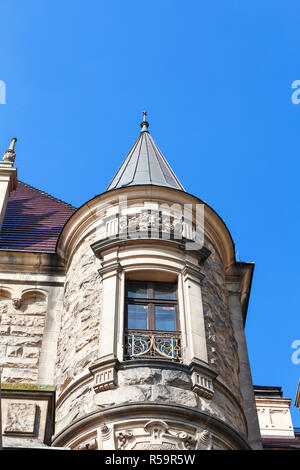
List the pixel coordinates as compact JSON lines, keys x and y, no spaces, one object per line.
{"x":9,"y":155}
{"x":106,"y":437}
{"x":158,"y":435}
{"x":16,"y":302}
{"x":104,"y":379}
{"x":20,"y":419}
{"x":202,"y":385}
{"x":123,"y":438}
{"x":154,"y":220}
{"x":89,"y":444}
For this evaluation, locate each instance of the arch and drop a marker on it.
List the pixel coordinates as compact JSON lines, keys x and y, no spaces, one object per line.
{"x":6,"y":292}
{"x":34,"y":293}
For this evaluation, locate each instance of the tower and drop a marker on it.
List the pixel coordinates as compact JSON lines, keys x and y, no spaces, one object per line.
{"x":122,"y":321}
{"x":151,"y":351}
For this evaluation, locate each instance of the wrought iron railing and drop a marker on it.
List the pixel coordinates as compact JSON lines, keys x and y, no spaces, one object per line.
{"x":146,"y":344}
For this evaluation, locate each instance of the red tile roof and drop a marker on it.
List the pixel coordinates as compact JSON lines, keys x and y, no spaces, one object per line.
{"x":33,"y":220}
{"x":282,"y":442}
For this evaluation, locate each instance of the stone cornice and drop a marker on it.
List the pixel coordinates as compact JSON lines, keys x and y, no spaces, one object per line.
{"x":239,"y":280}
{"x":110,"y":268}
{"x":79,"y":381}
{"x":191,"y":272}
{"x":141,"y":410}
{"x":81,"y":223}
{"x":8,"y":173}
{"x":104,"y":362}
{"x":105,"y":244}
{"x":30,"y":262}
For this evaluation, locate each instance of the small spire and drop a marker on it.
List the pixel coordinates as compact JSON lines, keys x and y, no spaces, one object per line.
{"x":9,"y":155}
{"x":144,"y":123}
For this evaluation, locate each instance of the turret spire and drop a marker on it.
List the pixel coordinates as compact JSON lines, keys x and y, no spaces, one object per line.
{"x":145,"y":164}
{"x":144,"y":123}
{"x":9,"y":155}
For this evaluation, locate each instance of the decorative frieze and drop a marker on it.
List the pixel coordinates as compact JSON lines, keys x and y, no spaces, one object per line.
{"x":169,"y":223}
{"x":159,"y":435}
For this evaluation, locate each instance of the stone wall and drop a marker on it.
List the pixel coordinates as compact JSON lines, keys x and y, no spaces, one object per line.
{"x":148,"y":385}
{"x":221,"y":343}
{"x":21,"y":329}
{"x":78,"y":349}
{"x":167,"y":386}
{"x":78,"y":341}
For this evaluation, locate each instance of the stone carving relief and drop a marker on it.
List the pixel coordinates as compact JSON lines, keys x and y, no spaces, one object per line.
{"x":16,"y":302}
{"x":154,"y":435}
{"x":20,"y":418}
{"x":145,"y":220}
{"x":106,"y":437}
{"x":90,"y":444}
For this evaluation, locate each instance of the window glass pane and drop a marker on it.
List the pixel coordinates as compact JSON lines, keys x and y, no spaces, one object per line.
{"x":165,"y":318}
{"x":164,"y":291}
{"x":137,"y":317}
{"x":137,"y":291}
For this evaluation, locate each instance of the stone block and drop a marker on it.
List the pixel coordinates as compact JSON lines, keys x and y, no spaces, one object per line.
{"x":31,"y":352}
{"x":24,"y":341}
{"x":166,"y":394}
{"x":19,"y":375}
{"x":20,"y":418}
{"x":4,"y":330}
{"x":139,"y":376}
{"x":176,"y":378}
{"x":26,"y":330}
{"x":14,"y":351}
{"x":127,"y":394}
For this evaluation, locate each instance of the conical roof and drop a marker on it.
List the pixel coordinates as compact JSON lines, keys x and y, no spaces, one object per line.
{"x":145,"y":164}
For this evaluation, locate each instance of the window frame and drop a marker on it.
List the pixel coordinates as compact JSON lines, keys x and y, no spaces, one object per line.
{"x":151,"y":303}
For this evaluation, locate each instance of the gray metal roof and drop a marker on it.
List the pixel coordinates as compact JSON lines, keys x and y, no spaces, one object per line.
{"x":145,"y":164}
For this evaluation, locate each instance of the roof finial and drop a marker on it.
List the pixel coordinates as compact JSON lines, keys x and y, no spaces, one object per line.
{"x":144,"y":123}
{"x":9,"y":155}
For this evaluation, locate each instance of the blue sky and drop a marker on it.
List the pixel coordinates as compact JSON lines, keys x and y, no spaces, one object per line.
{"x":215,"y":78}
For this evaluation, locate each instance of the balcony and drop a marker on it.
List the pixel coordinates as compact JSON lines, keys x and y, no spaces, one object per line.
{"x":145,"y":344}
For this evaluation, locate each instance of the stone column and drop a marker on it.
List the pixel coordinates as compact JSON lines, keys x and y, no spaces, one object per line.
{"x":110,"y":308}
{"x":195,"y":328}
{"x":245,"y":377}
{"x":8,"y":182}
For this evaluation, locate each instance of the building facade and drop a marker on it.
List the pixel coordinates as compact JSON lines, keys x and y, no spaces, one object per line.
{"x":275,"y":421}
{"x":122,"y":321}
